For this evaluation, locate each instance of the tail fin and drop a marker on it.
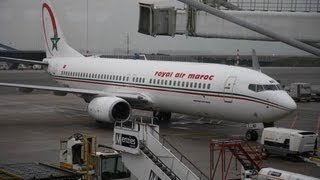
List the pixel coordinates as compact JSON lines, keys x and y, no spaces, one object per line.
{"x":56,"y":45}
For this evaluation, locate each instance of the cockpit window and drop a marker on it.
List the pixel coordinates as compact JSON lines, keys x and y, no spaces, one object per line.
{"x":264,"y":87}
{"x":253,"y":87}
{"x":259,"y":88}
{"x":270,"y":87}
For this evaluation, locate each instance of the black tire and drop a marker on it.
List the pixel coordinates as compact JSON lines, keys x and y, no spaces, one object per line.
{"x":248,"y":135}
{"x":251,"y":135}
{"x":255,"y":135}
{"x":162,"y":116}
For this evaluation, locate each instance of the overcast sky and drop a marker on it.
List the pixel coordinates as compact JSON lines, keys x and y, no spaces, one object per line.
{"x":109,"y":22}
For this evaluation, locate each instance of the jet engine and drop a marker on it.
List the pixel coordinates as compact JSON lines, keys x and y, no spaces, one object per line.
{"x":109,"y":109}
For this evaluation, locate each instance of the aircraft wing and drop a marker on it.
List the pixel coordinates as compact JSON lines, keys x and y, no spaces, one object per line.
{"x":25,"y":61}
{"x":136,"y":98}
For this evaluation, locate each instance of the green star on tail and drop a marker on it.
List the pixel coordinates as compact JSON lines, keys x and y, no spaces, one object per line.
{"x":55,"y":41}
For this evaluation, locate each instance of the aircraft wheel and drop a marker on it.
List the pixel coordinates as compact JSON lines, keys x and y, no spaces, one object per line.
{"x":251,"y":135}
{"x":162,"y":116}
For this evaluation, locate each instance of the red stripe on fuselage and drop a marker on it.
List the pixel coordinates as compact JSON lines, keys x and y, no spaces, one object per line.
{"x":166,"y":90}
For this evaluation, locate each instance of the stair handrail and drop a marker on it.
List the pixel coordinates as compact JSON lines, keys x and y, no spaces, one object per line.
{"x":202,"y":174}
{"x":159,"y":160}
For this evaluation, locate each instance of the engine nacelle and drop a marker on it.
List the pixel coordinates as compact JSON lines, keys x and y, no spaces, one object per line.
{"x":109,"y":109}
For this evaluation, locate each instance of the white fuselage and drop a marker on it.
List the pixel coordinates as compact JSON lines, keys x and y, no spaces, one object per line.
{"x":202,"y":89}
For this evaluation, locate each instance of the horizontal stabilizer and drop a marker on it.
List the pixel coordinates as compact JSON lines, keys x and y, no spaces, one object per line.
{"x":23,"y":61}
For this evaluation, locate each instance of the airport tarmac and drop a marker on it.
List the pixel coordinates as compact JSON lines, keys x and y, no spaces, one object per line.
{"x":31,"y":125}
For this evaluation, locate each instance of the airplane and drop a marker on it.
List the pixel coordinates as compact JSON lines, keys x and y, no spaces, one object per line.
{"x":113,"y":87}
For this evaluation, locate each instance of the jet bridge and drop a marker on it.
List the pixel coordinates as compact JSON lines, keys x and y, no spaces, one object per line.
{"x":163,"y":20}
{"x":147,"y":158}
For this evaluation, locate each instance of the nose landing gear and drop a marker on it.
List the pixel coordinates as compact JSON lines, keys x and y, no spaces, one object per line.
{"x":252,"y":135}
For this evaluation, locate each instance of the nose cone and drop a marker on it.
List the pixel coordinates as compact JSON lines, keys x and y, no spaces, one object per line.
{"x":290,"y":104}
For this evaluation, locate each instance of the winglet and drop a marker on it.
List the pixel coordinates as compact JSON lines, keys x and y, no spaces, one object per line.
{"x":255,"y":61}
{"x":56,"y":45}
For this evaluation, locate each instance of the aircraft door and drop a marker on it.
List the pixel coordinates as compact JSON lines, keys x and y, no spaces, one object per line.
{"x":228,"y":88}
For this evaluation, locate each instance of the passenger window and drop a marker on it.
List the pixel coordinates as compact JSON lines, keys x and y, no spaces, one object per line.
{"x":195,"y":85}
{"x":204,"y":86}
{"x":123,"y":78}
{"x":170,"y":83}
{"x":158,"y":82}
{"x":133,"y":79}
{"x":252,"y":87}
{"x":98,"y":76}
{"x":150,"y":81}
{"x":182,"y":84}
{"x":113,"y":77}
{"x":174,"y":83}
{"x":128,"y":78}
{"x":143,"y":80}
{"x":178,"y":83}
{"x":191,"y":84}
{"x":199,"y":85}
{"x":187,"y":84}
{"x":208,"y":86}
{"x":165,"y":82}
{"x":154,"y":81}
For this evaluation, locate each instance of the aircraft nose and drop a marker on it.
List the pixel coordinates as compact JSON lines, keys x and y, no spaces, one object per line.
{"x":290,"y":104}
{"x":287,"y":102}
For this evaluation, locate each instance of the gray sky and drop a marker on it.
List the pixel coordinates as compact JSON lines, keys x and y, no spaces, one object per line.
{"x":109,"y":22}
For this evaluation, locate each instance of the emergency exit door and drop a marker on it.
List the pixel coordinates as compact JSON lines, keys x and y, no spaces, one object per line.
{"x":228,"y":89}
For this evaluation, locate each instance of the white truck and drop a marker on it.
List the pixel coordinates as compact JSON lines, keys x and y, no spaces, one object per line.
{"x":4,"y":66}
{"x":274,"y":174}
{"x":300,"y":91}
{"x":284,"y":142}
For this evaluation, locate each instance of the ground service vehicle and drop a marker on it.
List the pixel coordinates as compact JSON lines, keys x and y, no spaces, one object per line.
{"x":300,"y":91}
{"x":284,"y":142}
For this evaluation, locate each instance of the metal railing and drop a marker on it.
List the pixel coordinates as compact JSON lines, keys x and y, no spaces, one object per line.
{"x":278,"y":5}
{"x":141,"y":119}
{"x":182,"y":157}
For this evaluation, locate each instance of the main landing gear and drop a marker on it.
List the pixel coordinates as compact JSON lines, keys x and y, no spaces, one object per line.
{"x":162,"y":116}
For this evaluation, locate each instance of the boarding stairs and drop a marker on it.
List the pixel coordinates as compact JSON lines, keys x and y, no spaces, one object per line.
{"x":155,"y":159}
{"x":149,"y":158}
{"x":250,"y":158}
